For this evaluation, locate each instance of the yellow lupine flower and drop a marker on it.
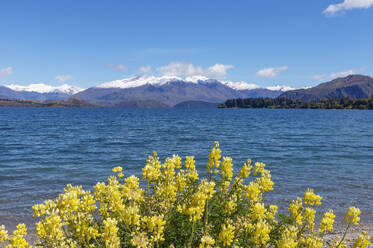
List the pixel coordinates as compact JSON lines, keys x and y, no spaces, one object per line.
{"x":17,"y":240}
{"x":131,"y":215}
{"x":362,"y":241}
{"x":110,"y":233}
{"x":230,"y":206}
{"x":310,"y":198}
{"x":214,"y":159}
{"x":117,"y":169}
{"x":226,"y":234}
{"x":226,"y":169}
{"x":352,"y":216}
{"x":309,"y":217}
{"x":155,"y":225}
{"x":261,"y":233}
{"x":3,"y":234}
{"x":258,"y":168}
{"x":207,"y":241}
{"x":140,"y":240}
{"x":245,"y":170}
{"x":272,"y":212}
{"x":265,"y":182}
{"x":295,"y":210}
{"x":288,"y":238}
{"x":252,"y":192}
{"x":327,"y":222}
{"x":314,"y":242}
{"x":258,"y":211}
{"x":151,"y":171}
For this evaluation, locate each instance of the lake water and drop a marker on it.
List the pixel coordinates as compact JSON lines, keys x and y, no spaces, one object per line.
{"x":43,"y":149}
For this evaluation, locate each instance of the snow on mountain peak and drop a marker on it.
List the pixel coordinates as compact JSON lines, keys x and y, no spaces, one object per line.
{"x":44,"y":88}
{"x":133,"y":82}
{"x":137,"y":81}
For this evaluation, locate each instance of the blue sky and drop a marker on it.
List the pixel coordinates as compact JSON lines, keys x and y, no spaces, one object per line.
{"x":84,"y":43}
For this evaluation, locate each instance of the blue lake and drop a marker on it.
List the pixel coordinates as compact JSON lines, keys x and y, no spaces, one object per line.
{"x":43,"y":149}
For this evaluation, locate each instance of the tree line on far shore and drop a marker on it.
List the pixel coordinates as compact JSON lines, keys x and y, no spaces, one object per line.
{"x":281,"y":102}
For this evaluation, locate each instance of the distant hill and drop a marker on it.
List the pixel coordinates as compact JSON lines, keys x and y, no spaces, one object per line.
{"x":141,"y":104}
{"x":72,"y":102}
{"x":196,"y":104}
{"x":352,"y":86}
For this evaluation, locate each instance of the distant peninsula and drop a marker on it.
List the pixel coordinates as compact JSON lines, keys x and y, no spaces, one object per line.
{"x":282,"y":102}
{"x":72,"y":102}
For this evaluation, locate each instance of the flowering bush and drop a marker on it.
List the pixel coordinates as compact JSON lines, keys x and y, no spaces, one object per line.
{"x":178,"y":209}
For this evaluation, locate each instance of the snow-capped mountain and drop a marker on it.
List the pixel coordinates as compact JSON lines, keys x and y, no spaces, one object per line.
{"x":38,"y":92}
{"x":138,"y":81}
{"x":44,"y":88}
{"x":171,"y":90}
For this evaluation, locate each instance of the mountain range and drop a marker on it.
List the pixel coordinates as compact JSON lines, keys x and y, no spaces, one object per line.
{"x":38,"y":92}
{"x":197,"y":91}
{"x":145,"y":91}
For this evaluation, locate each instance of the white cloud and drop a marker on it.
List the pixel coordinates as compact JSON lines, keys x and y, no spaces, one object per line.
{"x":63,"y":78}
{"x":145,"y":69}
{"x":6,"y":71}
{"x":188,"y":69}
{"x":335,"y":9}
{"x":338,"y":74}
{"x":219,"y":70}
{"x":118,"y":67}
{"x":272,"y":71}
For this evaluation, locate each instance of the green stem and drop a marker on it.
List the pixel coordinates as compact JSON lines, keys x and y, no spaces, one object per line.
{"x":192,"y":235}
{"x":344,"y":235}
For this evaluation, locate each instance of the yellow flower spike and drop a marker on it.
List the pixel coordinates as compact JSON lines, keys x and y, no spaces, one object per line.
{"x":214,"y":159}
{"x":17,"y":240}
{"x":207,"y":241}
{"x":245,"y":170}
{"x":327,"y":222}
{"x":352,"y":216}
{"x":226,"y":169}
{"x":226,"y":234}
{"x":261,"y":233}
{"x":309,"y":217}
{"x":3,"y":234}
{"x":289,"y":238}
{"x":252,"y":192}
{"x":314,"y":242}
{"x":310,"y":198}
{"x":177,"y":161}
{"x":272,"y":212}
{"x":140,"y":240}
{"x":151,"y":171}
{"x":230,"y":206}
{"x":258,"y":211}
{"x":295,"y":210}
{"x":110,"y":233}
{"x":362,"y":241}
{"x":265,"y":181}
{"x":258,"y":168}
{"x":117,"y":169}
